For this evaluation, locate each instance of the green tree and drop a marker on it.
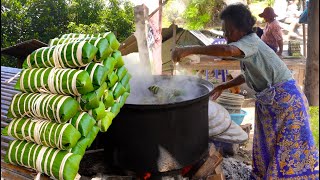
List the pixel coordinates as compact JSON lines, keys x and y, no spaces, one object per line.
{"x":48,"y":19}
{"x":201,"y":14}
{"x":86,"y":11}
{"x":117,"y":16}
{"x":13,"y":23}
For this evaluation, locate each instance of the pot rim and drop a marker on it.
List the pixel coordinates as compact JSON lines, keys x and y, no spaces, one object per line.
{"x":201,"y":82}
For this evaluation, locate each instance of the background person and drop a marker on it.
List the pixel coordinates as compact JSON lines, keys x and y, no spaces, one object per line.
{"x":272,"y":34}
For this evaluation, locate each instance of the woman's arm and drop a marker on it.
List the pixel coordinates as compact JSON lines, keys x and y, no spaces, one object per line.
{"x":280,"y":44}
{"x":234,"y":82}
{"x":211,"y":50}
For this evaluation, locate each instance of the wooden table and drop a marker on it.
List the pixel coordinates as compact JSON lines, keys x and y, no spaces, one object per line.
{"x":296,"y":65}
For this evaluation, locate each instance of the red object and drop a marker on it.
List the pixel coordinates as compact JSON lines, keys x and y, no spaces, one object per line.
{"x":185,"y":170}
{"x":146,"y":176}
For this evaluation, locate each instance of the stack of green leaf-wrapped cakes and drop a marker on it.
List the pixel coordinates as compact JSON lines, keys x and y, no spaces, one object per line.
{"x":71,"y":90}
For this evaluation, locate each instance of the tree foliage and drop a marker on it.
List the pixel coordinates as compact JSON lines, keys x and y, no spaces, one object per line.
{"x":86,"y":11}
{"x":22,"y":20}
{"x":48,"y":19}
{"x":201,"y":14}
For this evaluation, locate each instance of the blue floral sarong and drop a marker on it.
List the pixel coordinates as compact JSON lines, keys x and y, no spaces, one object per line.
{"x":283,"y":145}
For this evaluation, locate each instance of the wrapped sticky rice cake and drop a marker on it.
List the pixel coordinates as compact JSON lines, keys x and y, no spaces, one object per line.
{"x":83,"y":122}
{"x":114,"y":43}
{"x":104,"y":48}
{"x":112,"y":79}
{"x":43,"y":132}
{"x":109,"y":63}
{"x":106,"y":121}
{"x":58,"y":164}
{"x":85,"y":142}
{"x":118,"y":57}
{"x":92,"y":99}
{"x":99,"y":112}
{"x":108,"y":99}
{"x":55,"y":80}
{"x":98,"y":73}
{"x":44,"y":106}
{"x":71,"y":55}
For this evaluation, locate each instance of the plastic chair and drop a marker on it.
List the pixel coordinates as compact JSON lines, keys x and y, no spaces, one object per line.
{"x":216,"y":71}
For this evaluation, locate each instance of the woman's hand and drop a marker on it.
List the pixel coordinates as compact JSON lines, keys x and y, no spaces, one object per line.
{"x":217,"y":92}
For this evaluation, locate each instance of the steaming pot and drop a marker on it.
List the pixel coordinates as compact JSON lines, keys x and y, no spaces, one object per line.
{"x":159,"y":138}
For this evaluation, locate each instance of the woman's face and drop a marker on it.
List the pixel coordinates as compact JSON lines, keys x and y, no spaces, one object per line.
{"x":231,"y":34}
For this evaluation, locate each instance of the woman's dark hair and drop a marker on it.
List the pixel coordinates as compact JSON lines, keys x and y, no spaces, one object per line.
{"x":240,"y":16}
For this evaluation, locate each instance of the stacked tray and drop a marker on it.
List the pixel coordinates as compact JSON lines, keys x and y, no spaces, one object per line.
{"x":232,"y":102}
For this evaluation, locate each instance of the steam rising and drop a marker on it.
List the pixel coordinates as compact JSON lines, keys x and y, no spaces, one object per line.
{"x":142,"y":79}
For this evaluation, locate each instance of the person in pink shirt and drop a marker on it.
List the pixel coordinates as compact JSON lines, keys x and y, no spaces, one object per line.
{"x":272,"y":34}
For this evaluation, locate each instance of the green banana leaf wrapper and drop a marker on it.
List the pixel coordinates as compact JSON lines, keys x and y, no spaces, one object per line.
{"x":121,"y":72}
{"x":114,"y":43}
{"x":125,"y":80}
{"x":128,"y":88}
{"x":104,"y":49}
{"x":71,"y":55}
{"x":85,"y":142}
{"x":106,"y":121}
{"x":83,"y":122}
{"x":55,"y":107}
{"x":118,"y":57}
{"x":108,"y":100}
{"x":115,"y":108}
{"x":55,"y":80}
{"x":123,"y":98}
{"x":92,"y":135}
{"x":118,"y":90}
{"x":92,"y":99}
{"x":98,"y":73}
{"x":99,"y":112}
{"x":43,"y":132}
{"x":112,"y":79}
{"x":58,"y":164}
{"x":110,"y":62}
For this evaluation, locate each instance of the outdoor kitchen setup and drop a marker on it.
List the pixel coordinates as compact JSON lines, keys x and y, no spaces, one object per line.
{"x":165,"y":129}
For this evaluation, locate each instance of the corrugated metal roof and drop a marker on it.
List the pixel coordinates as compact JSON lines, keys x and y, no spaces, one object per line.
{"x":203,"y":38}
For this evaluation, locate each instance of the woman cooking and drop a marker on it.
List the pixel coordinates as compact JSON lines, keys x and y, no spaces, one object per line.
{"x":283,"y":146}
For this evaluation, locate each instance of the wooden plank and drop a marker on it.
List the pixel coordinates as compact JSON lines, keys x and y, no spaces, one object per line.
{"x":301,"y":76}
{"x":209,"y":166}
{"x":212,"y":62}
{"x":216,"y":177}
{"x":13,"y":171}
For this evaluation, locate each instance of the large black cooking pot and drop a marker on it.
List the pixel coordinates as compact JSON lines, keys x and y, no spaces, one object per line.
{"x":160,"y":138}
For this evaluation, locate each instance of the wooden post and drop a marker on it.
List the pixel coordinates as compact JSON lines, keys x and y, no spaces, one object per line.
{"x":312,"y":64}
{"x":141,"y":13}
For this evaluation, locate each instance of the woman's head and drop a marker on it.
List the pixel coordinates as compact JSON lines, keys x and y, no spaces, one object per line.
{"x":268,"y":14}
{"x":237,"y":21}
